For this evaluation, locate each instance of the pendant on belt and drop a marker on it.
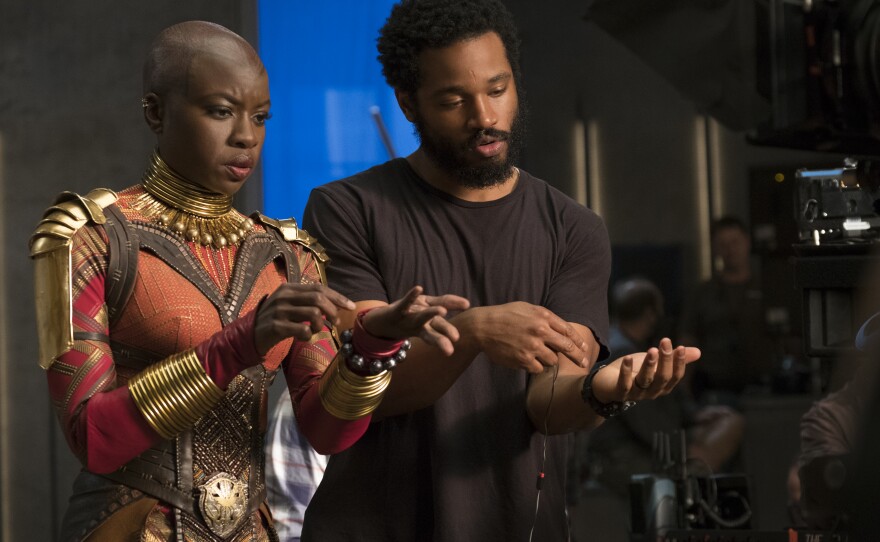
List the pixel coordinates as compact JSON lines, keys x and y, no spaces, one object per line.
{"x":223,"y":502}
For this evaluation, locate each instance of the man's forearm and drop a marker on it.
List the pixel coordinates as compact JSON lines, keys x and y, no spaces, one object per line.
{"x":423,"y":378}
{"x":568,"y":411}
{"x":426,"y":373}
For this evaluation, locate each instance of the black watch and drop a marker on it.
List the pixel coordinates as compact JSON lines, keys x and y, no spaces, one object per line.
{"x":606,"y":410}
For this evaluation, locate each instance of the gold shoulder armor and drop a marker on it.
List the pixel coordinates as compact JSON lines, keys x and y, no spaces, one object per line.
{"x":70,"y":213}
{"x":50,"y":247}
{"x":287,"y":227}
{"x":294,"y":234}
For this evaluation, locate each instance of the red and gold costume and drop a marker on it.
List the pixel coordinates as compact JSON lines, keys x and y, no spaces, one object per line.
{"x":136,"y":287}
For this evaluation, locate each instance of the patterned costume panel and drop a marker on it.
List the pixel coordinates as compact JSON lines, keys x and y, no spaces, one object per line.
{"x":166,"y":313}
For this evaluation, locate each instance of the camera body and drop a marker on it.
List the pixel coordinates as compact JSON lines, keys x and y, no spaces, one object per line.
{"x":673,"y":498}
{"x":838,"y":217}
{"x":661,"y":504}
{"x":838,"y":205}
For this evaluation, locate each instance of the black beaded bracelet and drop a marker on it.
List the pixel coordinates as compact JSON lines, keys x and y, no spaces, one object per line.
{"x":360,"y":364}
{"x":606,"y":410}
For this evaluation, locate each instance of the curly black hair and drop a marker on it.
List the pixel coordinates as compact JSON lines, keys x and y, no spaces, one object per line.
{"x":416,"y":25}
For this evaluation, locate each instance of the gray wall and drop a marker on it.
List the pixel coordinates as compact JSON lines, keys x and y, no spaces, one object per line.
{"x":70,"y":119}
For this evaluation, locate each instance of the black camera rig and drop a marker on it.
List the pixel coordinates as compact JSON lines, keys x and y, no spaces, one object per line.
{"x":673,"y":497}
{"x":838,"y":216}
{"x":839,"y":205}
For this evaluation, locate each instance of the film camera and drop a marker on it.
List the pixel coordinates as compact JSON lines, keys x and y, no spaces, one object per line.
{"x":799,"y":74}
{"x":838,"y":216}
{"x":818,"y":64}
{"x":840,"y":205}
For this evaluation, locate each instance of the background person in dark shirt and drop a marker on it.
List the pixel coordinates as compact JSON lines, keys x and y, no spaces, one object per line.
{"x":459,"y":448}
{"x":725,"y":317}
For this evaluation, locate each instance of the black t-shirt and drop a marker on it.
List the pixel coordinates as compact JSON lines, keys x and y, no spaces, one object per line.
{"x":464,"y":468}
{"x":728,"y":323}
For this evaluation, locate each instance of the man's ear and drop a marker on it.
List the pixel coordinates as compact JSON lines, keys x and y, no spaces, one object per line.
{"x":406,"y":104}
{"x":153,"y":109}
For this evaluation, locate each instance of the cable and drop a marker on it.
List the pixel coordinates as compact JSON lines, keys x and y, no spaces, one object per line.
{"x":540,"y":482}
{"x":710,"y":503}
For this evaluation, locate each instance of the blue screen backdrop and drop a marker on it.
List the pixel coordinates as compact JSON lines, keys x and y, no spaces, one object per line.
{"x":323,"y":78}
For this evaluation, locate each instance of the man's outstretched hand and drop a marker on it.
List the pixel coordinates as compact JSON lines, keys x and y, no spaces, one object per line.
{"x":418,"y":315}
{"x":645,"y":375}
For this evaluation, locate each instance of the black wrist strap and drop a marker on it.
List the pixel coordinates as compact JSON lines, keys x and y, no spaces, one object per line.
{"x":606,"y":410}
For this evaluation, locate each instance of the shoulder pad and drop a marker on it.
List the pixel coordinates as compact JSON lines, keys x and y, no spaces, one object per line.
{"x":70,"y":212}
{"x":294,"y":234}
{"x":51,"y":248}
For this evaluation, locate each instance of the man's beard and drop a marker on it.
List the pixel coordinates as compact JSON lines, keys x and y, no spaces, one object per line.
{"x":453,"y":158}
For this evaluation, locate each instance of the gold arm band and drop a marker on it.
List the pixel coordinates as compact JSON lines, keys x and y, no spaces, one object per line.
{"x":174,"y":394}
{"x":349,"y":396}
{"x":54,"y":305}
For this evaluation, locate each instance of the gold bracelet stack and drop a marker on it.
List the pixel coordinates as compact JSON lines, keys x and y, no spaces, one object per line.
{"x":174,"y":393}
{"x":347,"y":395}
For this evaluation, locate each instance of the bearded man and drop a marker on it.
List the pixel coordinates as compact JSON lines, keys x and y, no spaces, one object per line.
{"x":457,"y":442}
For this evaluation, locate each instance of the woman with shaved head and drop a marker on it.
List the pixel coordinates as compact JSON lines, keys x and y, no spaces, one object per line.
{"x":165,"y":314}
